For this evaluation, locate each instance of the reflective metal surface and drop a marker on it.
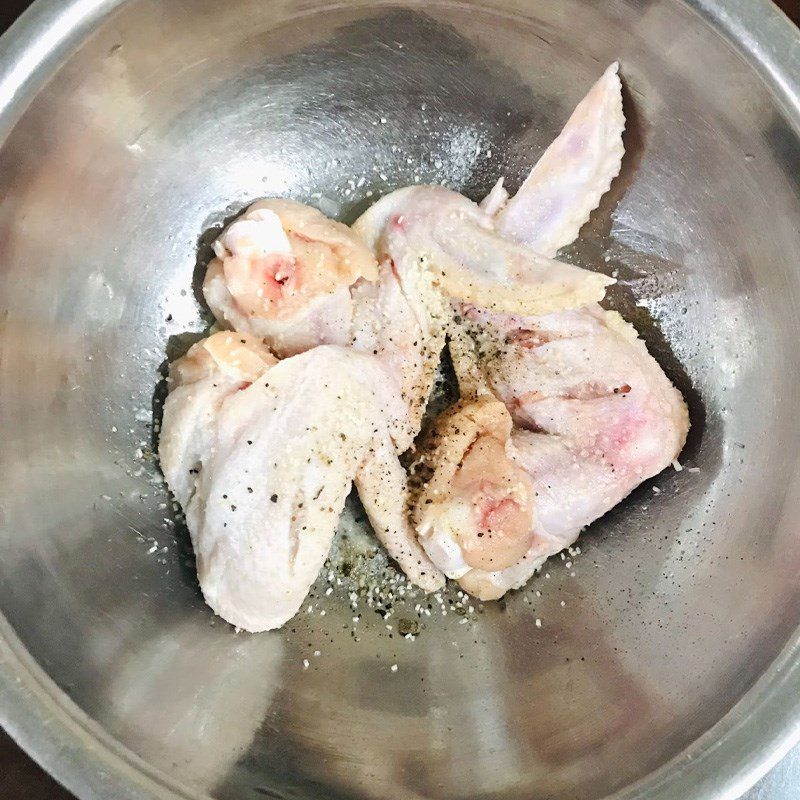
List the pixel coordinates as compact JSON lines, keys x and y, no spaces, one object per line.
{"x":781,"y":783}
{"x":665,"y":667}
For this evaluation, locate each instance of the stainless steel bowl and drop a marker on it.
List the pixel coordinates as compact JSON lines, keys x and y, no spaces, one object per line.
{"x":667,"y":666}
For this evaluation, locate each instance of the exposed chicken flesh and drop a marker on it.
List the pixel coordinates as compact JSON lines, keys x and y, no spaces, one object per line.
{"x":475,"y":508}
{"x":596,"y":414}
{"x":262,"y":455}
{"x":284,"y":272}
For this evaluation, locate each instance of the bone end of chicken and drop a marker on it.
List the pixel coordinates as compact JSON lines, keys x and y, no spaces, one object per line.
{"x":496,"y":199}
{"x":575,"y":171}
{"x":283,"y":272}
{"x":475,"y":507}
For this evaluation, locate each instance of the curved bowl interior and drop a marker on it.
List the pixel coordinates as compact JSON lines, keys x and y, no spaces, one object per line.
{"x":172,"y":116}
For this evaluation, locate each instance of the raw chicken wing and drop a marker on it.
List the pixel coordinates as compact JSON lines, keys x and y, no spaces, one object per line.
{"x":595,"y":414}
{"x":290,"y":275}
{"x":262,"y":459}
{"x":572,"y":175}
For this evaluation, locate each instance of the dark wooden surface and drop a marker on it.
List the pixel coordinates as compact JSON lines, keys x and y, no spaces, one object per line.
{"x":21,"y":778}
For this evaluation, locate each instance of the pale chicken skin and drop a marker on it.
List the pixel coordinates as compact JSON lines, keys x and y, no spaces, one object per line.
{"x":454,"y":241}
{"x":575,"y":171}
{"x":262,"y":456}
{"x":432,"y":245}
{"x":284,"y":272}
{"x":594,"y":413}
{"x":212,"y":370}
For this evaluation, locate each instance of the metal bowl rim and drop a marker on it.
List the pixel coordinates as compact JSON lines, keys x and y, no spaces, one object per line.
{"x":720,"y":765}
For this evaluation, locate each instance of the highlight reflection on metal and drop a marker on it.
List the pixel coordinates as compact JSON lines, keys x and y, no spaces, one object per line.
{"x":172,"y":116}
